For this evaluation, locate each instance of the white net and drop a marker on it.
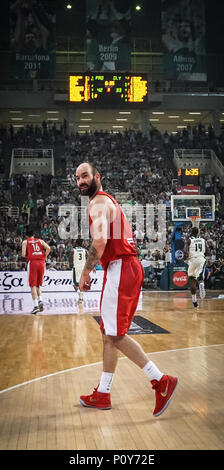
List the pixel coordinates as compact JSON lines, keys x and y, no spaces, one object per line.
{"x":195,"y":220}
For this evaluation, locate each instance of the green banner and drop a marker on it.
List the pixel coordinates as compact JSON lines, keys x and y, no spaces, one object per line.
{"x":108,"y":32}
{"x":183,"y":39}
{"x":32,"y":39}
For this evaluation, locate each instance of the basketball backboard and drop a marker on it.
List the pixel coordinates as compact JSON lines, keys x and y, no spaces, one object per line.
{"x":183,"y":207}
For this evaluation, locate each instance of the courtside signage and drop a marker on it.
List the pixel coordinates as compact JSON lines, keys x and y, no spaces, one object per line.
{"x":17,"y":281}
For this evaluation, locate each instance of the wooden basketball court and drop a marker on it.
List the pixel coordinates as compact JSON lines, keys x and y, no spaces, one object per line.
{"x":47,"y":361}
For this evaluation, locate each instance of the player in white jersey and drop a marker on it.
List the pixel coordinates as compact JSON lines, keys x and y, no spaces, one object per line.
{"x":195,"y":250}
{"x":78,"y":259}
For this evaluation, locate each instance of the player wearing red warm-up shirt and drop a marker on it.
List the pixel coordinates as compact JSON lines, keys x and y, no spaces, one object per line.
{"x":114,"y":247}
{"x":35,"y":251}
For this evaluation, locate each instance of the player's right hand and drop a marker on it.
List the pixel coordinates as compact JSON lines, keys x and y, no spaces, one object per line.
{"x":85,"y":281}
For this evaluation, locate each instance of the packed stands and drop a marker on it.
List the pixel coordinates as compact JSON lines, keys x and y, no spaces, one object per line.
{"x":140,"y":167}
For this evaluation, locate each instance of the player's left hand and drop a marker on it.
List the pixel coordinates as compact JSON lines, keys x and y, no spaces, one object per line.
{"x":85,"y":281}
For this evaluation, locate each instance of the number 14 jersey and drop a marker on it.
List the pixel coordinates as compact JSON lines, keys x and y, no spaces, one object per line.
{"x":197,"y":247}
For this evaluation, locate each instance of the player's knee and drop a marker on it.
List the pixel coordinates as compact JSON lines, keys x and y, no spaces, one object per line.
{"x":115,"y":340}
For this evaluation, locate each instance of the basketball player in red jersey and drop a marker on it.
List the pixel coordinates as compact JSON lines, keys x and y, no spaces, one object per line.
{"x":35,"y":251}
{"x":123,"y":278}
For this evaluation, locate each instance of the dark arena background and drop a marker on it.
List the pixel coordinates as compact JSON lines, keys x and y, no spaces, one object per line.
{"x":137,"y":89}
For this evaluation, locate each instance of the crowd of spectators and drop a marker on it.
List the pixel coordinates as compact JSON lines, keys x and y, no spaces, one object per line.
{"x":133,"y":163}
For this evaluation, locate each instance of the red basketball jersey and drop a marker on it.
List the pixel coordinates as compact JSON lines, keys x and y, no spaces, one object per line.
{"x":35,"y":250}
{"x":120,"y":241}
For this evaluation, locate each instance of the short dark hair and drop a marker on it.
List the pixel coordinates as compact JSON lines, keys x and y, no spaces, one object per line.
{"x":194,"y":231}
{"x":29,"y":232}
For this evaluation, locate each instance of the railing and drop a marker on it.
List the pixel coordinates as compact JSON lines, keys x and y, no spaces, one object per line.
{"x":122,"y":197}
{"x":50,"y":210}
{"x":9,"y":211}
{"x":32,"y":160}
{"x":22,"y":266}
{"x":199,"y":158}
{"x":193,"y":153}
{"x":194,"y":158}
{"x":32,"y":153}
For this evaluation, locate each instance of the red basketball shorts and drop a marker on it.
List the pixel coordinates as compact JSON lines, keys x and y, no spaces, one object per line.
{"x":122,"y":285}
{"x":35,"y":271}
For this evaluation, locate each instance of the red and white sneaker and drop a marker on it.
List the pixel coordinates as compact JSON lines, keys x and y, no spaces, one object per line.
{"x":164,"y":390}
{"x":96,"y":400}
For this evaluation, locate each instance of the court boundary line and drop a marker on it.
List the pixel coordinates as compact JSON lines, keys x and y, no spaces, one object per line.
{"x":37,"y":379}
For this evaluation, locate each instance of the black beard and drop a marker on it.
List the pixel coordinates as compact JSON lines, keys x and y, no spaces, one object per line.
{"x":91,"y":190}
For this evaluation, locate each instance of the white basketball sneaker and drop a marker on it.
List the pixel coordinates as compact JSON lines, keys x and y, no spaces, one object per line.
{"x":202,"y":290}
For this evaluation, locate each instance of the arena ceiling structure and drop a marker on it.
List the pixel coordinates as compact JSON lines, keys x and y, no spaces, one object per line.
{"x":112,"y":120}
{"x":146,"y":57}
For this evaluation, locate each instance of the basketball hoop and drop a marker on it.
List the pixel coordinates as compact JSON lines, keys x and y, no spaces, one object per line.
{"x":195,"y":220}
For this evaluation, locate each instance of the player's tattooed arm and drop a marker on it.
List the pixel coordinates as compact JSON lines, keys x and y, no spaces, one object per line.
{"x":92,"y":258}
{"x":100,"y":215}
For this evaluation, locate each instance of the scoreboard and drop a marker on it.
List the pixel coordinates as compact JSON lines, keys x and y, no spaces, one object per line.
{"x":108,"y":88}
{"x":189,"y":176}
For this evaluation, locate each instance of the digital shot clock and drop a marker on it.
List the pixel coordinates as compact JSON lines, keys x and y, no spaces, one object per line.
{"x":189,"y":176}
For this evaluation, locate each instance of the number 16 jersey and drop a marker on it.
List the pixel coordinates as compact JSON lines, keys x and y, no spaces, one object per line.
{"x":35,"y":251}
